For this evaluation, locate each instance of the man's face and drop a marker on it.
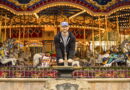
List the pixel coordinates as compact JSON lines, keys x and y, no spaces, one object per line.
{"x":64,"y":28}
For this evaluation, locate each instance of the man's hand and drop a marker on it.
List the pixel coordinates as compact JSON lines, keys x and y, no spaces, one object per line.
{"x":70,"y":60}
{"x":61,"y":60}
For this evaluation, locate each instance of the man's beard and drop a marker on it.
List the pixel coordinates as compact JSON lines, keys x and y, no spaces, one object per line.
{"x":65,"y":31}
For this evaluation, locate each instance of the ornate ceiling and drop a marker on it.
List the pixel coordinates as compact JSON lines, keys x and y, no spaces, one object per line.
{"x":92,"y":6}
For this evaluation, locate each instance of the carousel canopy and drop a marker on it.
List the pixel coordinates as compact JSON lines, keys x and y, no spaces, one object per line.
{"x":102,"y":16}
{"x":93,"y":6}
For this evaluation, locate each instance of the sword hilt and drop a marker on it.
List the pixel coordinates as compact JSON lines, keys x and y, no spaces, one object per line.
{"x":65,"y":61}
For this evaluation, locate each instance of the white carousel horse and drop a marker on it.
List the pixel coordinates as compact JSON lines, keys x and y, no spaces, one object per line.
{"x":5,"y":60}
{"x":36,"y":59}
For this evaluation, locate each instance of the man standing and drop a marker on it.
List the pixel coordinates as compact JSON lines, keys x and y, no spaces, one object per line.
{"x":64,"y":44}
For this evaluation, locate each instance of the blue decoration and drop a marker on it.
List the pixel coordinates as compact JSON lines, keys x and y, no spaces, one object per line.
{"x":102,"y":2}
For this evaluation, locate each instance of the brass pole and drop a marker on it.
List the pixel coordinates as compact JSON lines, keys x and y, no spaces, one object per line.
{"x":56,"y":26}
{"x":106,"y":24}
{"x":118,"y":32}
{"x":19,"y":34}
{"x":24,"y":37}
{"x":19,"y":39}
{"x":5,"y":29}
{"x":93,"y":44}
{"x":28,"y":29}
{"x":0,"y":29}
{"x":100,"y":42}
{"x":84,"y":36}
{"x":28,"y":34}
{"x":124,"y":34}
{"x":84,"y":45}
{"x":23,"y":33}
{"x":10,"y":29}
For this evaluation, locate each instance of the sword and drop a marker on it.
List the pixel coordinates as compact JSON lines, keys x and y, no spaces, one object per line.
{"x":65,"y":61}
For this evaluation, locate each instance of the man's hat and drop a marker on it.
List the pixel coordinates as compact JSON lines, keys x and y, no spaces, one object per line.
{"x":64,"y":24}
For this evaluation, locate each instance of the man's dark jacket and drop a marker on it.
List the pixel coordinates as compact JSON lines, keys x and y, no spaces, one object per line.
{"x":60,"y":48}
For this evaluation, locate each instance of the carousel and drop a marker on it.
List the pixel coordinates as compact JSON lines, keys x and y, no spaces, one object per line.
{"x":27,"y":50}
{"x":101,"y":28}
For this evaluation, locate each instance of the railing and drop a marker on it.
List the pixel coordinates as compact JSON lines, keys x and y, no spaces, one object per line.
{"x":88,"y":72}
{"x":27,"y":72}
{"x":102,"y":72}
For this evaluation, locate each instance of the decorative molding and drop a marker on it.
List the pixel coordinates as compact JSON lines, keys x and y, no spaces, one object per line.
{"x":64,"y":4}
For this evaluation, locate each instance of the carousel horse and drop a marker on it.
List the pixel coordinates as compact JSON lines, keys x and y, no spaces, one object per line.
{"x":5,"y":60}
{"x":23,"y":58}
{"x":118,"y":63}
{"x":7,"y":56}
{"x":118,"y":58}
{"x":114,"y":58}
{"x":36,"y":59}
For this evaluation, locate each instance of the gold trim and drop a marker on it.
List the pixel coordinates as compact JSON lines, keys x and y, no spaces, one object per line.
{"x":71,"y":26}
{"x":65,"y":4}
{"x":8,"y":8}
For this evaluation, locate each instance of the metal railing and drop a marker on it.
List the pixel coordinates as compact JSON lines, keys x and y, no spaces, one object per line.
{"x":87,"y":72}
{"x":102,"y":72}
{"x":27,"y":72}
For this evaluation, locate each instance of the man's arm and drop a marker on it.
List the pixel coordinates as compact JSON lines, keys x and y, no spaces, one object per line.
{"x":58,"y":48}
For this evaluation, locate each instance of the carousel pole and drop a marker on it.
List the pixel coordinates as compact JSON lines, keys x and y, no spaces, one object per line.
{"x":115,"y":37}
{"x":106,"y":24}
{"x":5,"y":29}
{"x":93,"y":43}
{"x":28,"y":29}
{"x":10,"y":29}
{"x":24,"y":37}
{"x":28,"y":33}
{"x":23,"y":33}
{"x":1,"y":33}
{"x":84,"y":42}
{"x":43,"y":33}
{"x":0,"y":29}
{"x":118,"y":31}
{"x":56,"y":26}
{"x":125,"y":34}
{"x":100,"y":42}
{"x":19,"y":38}
{"x":84,"y":35}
